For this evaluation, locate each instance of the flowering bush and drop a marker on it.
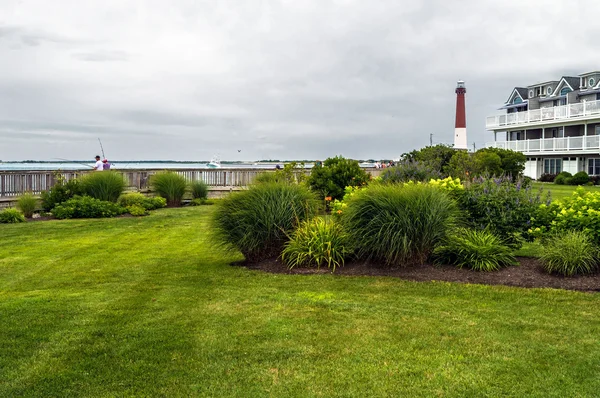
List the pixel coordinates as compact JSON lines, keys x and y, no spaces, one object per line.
{"x":580,"y":212}
{"x":501,"y":205}
{"x":338,"y":206}
{"x":449,"y":184}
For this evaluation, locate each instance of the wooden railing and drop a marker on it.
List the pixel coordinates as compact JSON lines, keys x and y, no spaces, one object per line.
{"x":16,"y":183}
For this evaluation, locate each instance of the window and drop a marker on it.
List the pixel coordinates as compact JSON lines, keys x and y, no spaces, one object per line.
{"x":517,"y":100}
{"x":598,"y":129}
{"x":565,"y":90}
{"x":549,"y":90}
{"x":558,"y":133}
{"x":553,"y":166}
{"x":594,"y":167}
{"x":598,"y":97}
{"x":592,"y":82}
{"x":530,"y":93}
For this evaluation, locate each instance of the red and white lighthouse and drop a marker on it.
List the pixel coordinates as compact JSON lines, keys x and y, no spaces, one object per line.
{"x":460,"y":127}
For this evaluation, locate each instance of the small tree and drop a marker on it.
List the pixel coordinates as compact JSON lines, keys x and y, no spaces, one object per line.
{"x":461,"y":165}
{"x":488,"y":163}
{"x":334,"y":175}
{"x":437,"y":156}
{"x":511,"y":163}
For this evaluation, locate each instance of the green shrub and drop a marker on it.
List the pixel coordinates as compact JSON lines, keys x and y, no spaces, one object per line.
{"x":259,"y":220}
{"x":87,"y":207}
{"x":132,"y":199}
{"x":562,"y":178}
{"x":155,"y":202}
{"x":506,"y":208}
{"x":580,"y":178}
{"x":546,"y":177}
{"x":27,"y":204}
{"x":410,"y":171}
{"x":141,"y":200}
{"x":202,"y":202}
{"x":479,"y":250}
{"x":105,"y":185}
{"x":334,"y":175}
{"x":570,"y":253}
{"x":11,"y":216}
{"x":170,"y":186}
{"x":398,"y":224}
{"x":315,"y":243}
{"x":137,"y":210}
{"x":59,"y":193}
{"x":199,"y":190}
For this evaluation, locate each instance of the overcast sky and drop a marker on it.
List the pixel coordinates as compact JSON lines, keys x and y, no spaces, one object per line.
{"x":293,"y":79}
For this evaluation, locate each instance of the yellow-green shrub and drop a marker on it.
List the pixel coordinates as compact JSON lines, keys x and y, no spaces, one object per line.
{"x":579,"y":212}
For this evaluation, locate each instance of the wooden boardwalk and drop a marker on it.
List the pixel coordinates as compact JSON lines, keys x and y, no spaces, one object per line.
{"x":15,"y":183}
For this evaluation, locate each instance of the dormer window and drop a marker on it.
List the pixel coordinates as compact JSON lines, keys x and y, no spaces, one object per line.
{"x":592,"y":82}
{"x":517,"y":100}
{"x":565,"y":91}
{"x":549,"y":90}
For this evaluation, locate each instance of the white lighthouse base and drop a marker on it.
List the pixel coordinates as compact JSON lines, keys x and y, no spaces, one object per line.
{"x":460,"y":138}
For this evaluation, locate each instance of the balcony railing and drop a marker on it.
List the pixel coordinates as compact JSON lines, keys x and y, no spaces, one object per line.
{"x":570,"y":111}
{"x":549,"y":145}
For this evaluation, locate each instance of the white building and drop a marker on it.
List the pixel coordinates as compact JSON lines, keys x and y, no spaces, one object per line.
{"x":556,"y":124}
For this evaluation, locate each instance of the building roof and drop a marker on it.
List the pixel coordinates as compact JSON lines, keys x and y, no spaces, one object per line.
{"x":573,"y":81}
{"x":543,"y":84}
{"x":522,"y":92}
{"x":589,"y":73}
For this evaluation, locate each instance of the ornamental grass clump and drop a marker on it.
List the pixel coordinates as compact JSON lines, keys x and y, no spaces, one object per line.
{"x":398,"y":224}
{"x":570,"y":253}
{"x":199,"y":190}
{"x":479,"y":250}
{"x":106,"y":185}
{"x":259,"y":221}
{"x":170,"y":186}
{"x":317,"y":243}
{"x":27,"y":204}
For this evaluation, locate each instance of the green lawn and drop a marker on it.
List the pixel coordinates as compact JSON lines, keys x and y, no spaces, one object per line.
{"x":150,"y":307}
{"x":562,"y":191}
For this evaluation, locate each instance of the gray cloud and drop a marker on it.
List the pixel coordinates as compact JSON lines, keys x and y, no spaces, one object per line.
{"x":101,"y":56}
{"x":277,"y":79}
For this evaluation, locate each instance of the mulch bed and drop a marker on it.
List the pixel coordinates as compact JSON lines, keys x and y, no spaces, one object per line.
{"x":528,"y":274}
